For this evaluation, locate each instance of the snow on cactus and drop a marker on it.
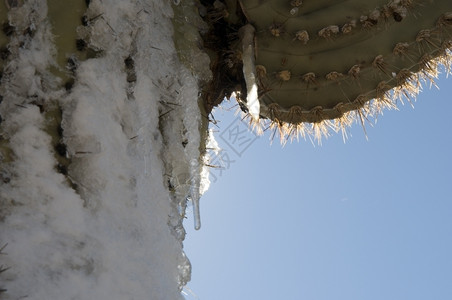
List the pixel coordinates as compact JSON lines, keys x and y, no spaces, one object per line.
{"x":103,"y":132}
{"x":101,"y":146}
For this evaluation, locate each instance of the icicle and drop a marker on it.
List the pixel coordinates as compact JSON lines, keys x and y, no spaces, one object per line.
{"x":194,"y":198}
{"x":252,"y":102}
{"x":194,"y":193}
{"x":196,"y":213}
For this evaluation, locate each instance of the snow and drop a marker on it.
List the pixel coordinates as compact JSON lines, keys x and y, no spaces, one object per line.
{"x":112,"y":228}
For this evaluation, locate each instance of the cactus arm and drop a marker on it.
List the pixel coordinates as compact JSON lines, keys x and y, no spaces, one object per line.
{"x":325,"y":63}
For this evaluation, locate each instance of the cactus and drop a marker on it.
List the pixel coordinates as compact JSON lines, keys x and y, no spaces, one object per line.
{"x":316,"y":65}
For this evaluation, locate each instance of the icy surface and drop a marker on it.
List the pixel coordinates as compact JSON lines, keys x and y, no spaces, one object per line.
{"x":252,"y":101}
{"x":112,"y":228}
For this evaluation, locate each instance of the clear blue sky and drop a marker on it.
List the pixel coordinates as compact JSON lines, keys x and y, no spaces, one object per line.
{"x":368,"y":219}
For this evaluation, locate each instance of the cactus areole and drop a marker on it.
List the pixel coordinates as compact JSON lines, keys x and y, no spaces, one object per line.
{"x":312,"y":65}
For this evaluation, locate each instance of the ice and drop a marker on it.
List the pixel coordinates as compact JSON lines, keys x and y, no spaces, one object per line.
{"x":249,"y":71}
{"x":111,"y":228}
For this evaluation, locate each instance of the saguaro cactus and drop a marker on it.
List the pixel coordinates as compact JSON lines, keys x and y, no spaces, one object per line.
{"x":314,"y":65}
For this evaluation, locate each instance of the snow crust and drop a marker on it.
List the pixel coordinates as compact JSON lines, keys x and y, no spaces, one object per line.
{"x":112,"y":228}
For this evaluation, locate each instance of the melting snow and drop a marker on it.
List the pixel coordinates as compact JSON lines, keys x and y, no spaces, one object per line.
{"x":112,"y":228}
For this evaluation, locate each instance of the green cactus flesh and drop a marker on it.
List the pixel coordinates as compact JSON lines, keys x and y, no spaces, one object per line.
{"x":324,"y":62}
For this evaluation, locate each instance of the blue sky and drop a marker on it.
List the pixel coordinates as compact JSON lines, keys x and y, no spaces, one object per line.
{"x":368,"y":219}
